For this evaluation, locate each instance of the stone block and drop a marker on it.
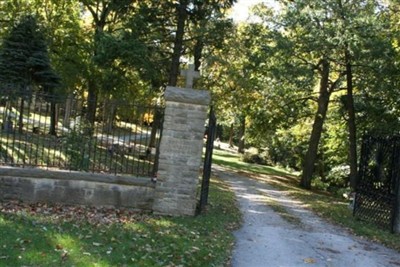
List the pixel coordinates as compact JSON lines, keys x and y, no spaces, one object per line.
{"x":187,"y":96}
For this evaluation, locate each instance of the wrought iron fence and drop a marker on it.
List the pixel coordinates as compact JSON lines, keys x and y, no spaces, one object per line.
{"x":205,"y":183}
{"x":379,"y":175}
{"x":48,"y":131}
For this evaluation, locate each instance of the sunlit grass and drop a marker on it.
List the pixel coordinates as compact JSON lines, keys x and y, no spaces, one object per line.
{"x":205,"y":240}
{"x":232,"y":160}
{"x":281,"y":210}
{"x":47,"y":151}
{"x":335,"y":209}
{"x":35,"y":147}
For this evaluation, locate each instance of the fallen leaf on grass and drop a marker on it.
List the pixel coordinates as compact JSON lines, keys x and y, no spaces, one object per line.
{"x":113,"y":239}
{"x":96,"y":244}
{"x":309,"y":260}
{"x":195,"y":248}
{"x":76,"y":214}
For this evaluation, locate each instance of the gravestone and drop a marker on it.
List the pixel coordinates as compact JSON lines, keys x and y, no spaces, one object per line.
{"x":181,"y":148}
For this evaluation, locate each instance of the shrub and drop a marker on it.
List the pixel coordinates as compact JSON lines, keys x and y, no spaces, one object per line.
{"x":251,"y":155}
{"x":77,"y":144}
{"x":339,"y":176}
{"x":318,"y":184}
{"x":336,"y":181}
{"x":257,"y":156}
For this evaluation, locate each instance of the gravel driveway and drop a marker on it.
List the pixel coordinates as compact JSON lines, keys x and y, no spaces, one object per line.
{"x":302,"y":239}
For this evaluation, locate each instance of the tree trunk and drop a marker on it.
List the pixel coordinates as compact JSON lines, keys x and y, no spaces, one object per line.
{"x":21,"y":115}
{"x":351,"y":122}
{"x":198,"y":52}
{"x":7,"y":111}
{"x":231,"y":136}
{"x":321,"y":167}
{"x":53,"y":118}
{"x":92,"y":102}
{"x":109,"y":111}
{"x":100,"y":20}
{"x":199,"y":45}
{"x":242,"y":130}
{"x":178,"y":44}
{"x":323,"y":101}
{"x":68,"y":110}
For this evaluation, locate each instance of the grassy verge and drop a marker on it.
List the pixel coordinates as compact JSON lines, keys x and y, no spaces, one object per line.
{"x":331,"y":207}
{"x":35,"y":237}
{"x":282,"y":211}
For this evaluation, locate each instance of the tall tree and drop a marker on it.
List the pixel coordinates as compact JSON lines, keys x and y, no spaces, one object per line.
{"x":232,"y":78}
{"x":209,"y":26}
{"x":326,"y":89}
{"x":105,"y":14}
{"x":181,"y":11}
{"x":331,"y":30}
{"x":25,"y":63}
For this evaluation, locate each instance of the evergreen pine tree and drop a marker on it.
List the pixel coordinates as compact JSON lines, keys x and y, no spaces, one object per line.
{"x":25,"y":64}
{"x":24,"y":59}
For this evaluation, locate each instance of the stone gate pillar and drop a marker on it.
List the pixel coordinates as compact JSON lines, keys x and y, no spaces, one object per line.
{"x":180,"y":151}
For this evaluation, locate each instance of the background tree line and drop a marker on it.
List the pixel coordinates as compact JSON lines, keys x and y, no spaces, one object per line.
{"x":102,"y":50}
{"x":301,"y":83}
{"x":304,"y":83}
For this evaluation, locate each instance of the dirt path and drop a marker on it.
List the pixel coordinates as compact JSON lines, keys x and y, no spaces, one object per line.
{"x":296,"y":238}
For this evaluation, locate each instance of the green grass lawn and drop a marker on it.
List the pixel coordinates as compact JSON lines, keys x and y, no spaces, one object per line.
{"x":32,"y":236}
{"x":36,"y":236}
{"x":335,"y":209}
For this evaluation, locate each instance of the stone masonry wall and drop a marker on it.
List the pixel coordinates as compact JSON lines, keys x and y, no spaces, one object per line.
{"x":174,"y":193}
{"x":180,"y":151}
{"x":35,"y":185}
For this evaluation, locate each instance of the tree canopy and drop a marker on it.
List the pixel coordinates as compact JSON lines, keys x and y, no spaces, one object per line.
{"x":301,"y":83}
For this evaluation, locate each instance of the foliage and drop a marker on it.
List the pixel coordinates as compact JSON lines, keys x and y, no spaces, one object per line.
{"x":233,"y":161}
{"x":338,"y":176}
{"x":283,"y":53}
{"x":45,"y":235}
{"x":337,"y":180}
{"x":264,"y":74}
{"x":77,"y":144}
{"x":24,"y":59}
{"x":252,"y":155}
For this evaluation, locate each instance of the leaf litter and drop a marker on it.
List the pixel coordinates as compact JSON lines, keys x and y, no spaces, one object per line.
{"x":74,"y":213}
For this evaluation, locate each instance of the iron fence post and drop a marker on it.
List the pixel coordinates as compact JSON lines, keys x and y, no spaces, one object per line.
{"x":205,"y":184}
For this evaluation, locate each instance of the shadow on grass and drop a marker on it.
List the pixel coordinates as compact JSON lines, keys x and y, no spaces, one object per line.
{"x":232,"y":161}
{"x":334,"y":208}
{"x":30,"y":241}
{"x":38,"y":239}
